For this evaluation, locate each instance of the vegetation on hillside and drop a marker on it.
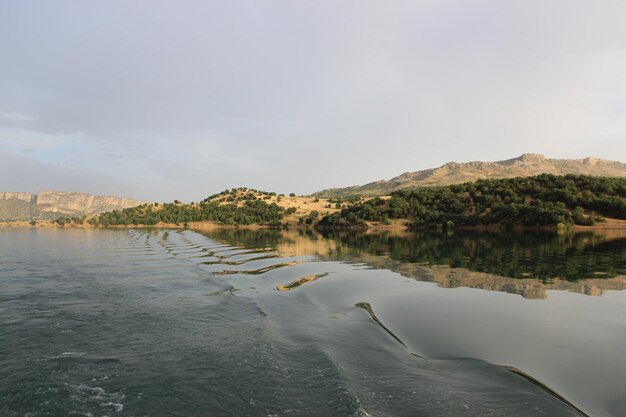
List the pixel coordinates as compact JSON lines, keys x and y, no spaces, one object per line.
{"x":543,"y":200}
{"x":62,"y":221}
{"x":239,"y":206}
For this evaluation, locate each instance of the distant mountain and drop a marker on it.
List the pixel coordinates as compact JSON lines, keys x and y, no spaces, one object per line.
{"x":526,"y":165}
{"x":49,"y":205}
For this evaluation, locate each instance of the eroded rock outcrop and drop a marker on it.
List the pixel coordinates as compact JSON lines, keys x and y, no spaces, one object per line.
{"x":48,"y":205}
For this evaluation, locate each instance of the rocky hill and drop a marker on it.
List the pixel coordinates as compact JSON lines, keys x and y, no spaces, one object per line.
{"x":525,"y":165}
{"x":49,"y":205}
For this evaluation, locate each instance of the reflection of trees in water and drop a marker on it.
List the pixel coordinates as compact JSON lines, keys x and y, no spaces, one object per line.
{"x":539,"y":255}
{"x":264,"y":238}
{"x":517,"y":255}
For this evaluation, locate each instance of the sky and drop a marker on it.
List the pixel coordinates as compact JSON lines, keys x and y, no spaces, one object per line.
{"x":164,"y":100}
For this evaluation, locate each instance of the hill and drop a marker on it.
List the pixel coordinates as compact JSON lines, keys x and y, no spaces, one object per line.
{"x":238,"y":206}
{"x":525,"y":165}
{"x":539,"y":201}
{"x":49,"y":205}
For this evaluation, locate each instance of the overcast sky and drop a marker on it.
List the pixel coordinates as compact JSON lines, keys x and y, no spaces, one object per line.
{"x":180,"y":99}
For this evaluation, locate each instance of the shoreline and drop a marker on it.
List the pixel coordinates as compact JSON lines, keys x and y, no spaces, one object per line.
{"x":399,"y":227}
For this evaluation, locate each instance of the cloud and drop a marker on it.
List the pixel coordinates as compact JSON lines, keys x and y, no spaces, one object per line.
{"x":22,"y":173}
{"x":15,"y":117}
{"x":191,"y":98}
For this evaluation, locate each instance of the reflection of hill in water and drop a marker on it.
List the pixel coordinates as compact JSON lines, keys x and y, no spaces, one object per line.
{"x":527,"y":264}
{"x":545,"y":256}
{"x":460,"y":277}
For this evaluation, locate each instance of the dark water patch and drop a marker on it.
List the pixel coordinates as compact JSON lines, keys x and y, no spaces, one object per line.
{"x":153,"y":346}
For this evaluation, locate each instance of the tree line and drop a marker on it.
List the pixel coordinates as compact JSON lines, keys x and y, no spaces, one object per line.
{"x":249,"y":212}
{"x":543,"y":200}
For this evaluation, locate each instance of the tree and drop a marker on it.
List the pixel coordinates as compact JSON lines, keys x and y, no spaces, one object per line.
{"x":578,"y":215}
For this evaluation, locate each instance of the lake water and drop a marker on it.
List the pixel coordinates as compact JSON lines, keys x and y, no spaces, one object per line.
{"x":266,"y":323}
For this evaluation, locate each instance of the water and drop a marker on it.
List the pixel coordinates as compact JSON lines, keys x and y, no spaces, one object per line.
{"x":243,"y":323}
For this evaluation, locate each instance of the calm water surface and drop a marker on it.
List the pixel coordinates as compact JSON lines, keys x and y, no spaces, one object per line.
{"x":242,"y":323}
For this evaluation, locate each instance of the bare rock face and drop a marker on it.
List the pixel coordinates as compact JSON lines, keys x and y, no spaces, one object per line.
{"x":72,"y":203}
{"x":28,"y":197}
{"x":48,"y":205}
{"x":17,"y":206}
{"x":526,"y":165}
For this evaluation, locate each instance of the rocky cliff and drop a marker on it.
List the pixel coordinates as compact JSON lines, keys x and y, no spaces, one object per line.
{"x":49,"y":205}
{"x":454,"y":173}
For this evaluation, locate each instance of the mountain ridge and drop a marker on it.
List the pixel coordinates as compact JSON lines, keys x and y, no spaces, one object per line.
{"x":49,"y":205}
{"x":525,"y":165}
